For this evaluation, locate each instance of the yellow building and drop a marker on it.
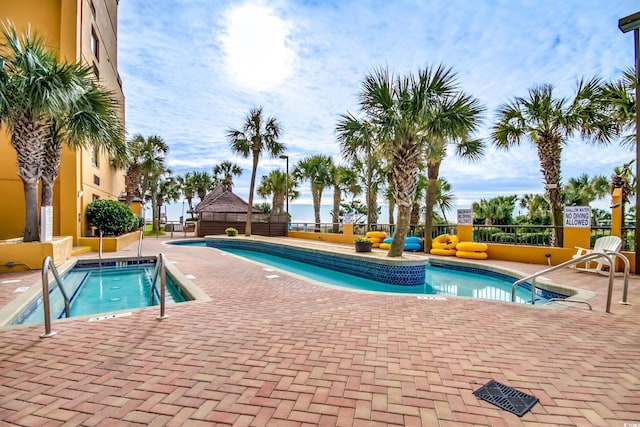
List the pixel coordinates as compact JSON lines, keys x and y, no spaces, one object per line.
{"x":80,"y":30}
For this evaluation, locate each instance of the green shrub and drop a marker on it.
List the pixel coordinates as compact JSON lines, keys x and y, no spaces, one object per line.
{"x":111,"y":217}
{"x":538,"y":238}
{"x":503,"y":238}
{"x":485,"y":234}
{"x":138,"y":222}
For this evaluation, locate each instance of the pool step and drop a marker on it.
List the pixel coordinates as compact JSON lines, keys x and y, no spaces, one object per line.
{"x":77,"y":250}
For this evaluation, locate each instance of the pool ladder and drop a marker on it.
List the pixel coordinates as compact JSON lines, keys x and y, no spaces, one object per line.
{"x":158,"y":273}
{"x":610,"y":256}
{"x":46,"y":266}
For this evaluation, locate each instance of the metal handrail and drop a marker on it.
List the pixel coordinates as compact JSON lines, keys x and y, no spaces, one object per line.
{"x":160,"y":271}
{"x":609,"y":255}
{"x":140,"y":244}
{"x":100,"y":250}
{"x":46,"y":265}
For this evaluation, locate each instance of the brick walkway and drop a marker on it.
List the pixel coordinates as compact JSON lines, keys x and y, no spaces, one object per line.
{"x":282,"y":351}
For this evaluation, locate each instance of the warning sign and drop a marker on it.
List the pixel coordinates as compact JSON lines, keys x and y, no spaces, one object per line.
{"x":577,"y":216}
{"x":465,"y":217}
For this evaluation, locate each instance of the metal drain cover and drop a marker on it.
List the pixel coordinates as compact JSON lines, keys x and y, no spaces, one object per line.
{"x":507,"y":398}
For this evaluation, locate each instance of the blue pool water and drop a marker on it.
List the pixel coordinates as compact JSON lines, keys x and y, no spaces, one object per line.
{"x":440,"y":280}
{"x":96,"y":290}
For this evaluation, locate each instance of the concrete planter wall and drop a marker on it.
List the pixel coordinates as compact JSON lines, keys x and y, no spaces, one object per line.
{"x":109,"y":244}
{"x":15,"y":255}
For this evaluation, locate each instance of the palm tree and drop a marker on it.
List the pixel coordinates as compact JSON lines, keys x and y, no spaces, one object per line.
{"x":145,"y":166}
{"x":187,"y":188}
{"x":548,"y":122}
{"x":583,"y":190}
{"x":393,"y":107}
{"x":168,"y":191}
{"x":624,"y":178}
{"x":38,"y":100}
{"x":537,"y":208}
{"x":91,"y":120}
{"x":454,"y":118}
{"x":317,"y":170}
{"x":144,"y":157}
{"x":344,"y":180}
{"x":201,"y":183}
{"x":406,"y":112}
{"x":498,"y":210}
{"x":358,"y":145}
{"x":276,"y":184}
{"x":444,"y":199}
{"x":620,"y":96}
{"x":256,"y":137}
{"x":225,"y":171}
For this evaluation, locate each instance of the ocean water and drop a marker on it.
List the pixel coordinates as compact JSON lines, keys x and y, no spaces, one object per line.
{"x":299,"y":212}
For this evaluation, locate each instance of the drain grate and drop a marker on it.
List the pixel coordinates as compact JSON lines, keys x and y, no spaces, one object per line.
{"x":507,"y":398}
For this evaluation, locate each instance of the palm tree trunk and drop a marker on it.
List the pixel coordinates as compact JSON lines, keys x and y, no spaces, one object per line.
{"x":131,"y":184}
{"x":47,"y":190}
{"x":254,"y":171}
{"x":402,"y":229}
{"x":404,"y":181}
{"x":31,"y":225}
{"x":50,"y":168}
{"x":337,"y":196}
{"x":278,"y":202}
{"x":557,"y":214}
{"x":317,"y":196}
{"x":433,"y":170}
{"x":371,"y":195}
{"x":549,"y":154}
{"x":26,"y":139}
{"x":372,"y":207}
{"x":155,"y":213}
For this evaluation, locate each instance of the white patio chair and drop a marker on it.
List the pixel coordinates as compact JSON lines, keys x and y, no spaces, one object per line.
{"x":598,"y":265}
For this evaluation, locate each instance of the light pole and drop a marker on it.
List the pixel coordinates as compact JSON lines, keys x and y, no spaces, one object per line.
{"x":286,"y":186}
{"x":626,"y":24}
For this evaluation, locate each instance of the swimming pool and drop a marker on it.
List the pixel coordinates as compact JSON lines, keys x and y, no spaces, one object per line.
{"x":104,"y":287}
{"x":438,"y":278}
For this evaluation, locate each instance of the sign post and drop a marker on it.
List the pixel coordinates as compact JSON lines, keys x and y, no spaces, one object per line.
{"x":46,"y":223}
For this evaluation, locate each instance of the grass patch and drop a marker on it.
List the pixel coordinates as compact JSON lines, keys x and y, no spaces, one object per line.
{"x":148,"y":232}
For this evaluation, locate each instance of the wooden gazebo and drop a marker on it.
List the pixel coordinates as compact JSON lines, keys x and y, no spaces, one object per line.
{"x":221,"y":208}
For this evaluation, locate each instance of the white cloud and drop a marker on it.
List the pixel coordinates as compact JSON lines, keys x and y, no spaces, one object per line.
{"x":257,"y":52}
{"x":193,"y":68}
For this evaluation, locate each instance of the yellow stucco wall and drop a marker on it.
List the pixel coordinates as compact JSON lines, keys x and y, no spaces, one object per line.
{"x":19,"y":256}
{"x":322,"y":237}
{"x":66,"y":26}
{"x":110,"y":244}
{"x":518,"y":253}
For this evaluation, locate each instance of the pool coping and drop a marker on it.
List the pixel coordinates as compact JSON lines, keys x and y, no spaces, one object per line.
{"x":12,"y":310}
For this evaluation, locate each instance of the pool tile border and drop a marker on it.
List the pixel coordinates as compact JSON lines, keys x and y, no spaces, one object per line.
{"x":394,"y":272}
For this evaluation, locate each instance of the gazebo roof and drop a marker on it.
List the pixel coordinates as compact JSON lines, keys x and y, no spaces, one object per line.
{"x":222,"y":200}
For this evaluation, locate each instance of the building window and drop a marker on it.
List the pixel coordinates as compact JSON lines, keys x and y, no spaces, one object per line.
{"x":95,"y":44}
{"x":94,"y":197}
{"x":96,"y":72}
{"x":93,"y":8}
{"x":94,"y":157}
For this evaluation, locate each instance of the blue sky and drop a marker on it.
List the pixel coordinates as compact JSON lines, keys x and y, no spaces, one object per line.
{"x":193,"y":68}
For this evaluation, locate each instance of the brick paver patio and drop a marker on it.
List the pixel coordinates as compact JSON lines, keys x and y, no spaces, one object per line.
{"x":285,"y":352}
